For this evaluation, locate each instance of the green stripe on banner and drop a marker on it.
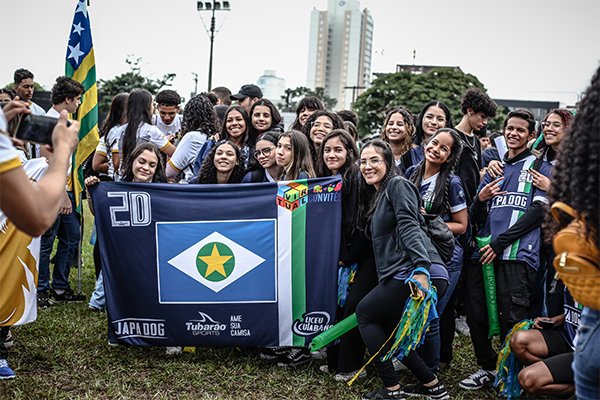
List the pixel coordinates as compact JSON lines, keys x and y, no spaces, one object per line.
{"x":299,"y":266}
{"x":515,"y":246}
{"x":69,"y":71}
{"x":88,"y":122}
{"x":90,"y":79}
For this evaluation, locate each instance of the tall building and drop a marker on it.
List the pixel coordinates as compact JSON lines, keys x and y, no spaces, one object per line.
{"x":339,"y":51}
{"x":272,"y":86}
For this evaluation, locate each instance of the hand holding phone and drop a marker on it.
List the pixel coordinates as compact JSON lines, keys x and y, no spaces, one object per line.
{"x":37,"y":128}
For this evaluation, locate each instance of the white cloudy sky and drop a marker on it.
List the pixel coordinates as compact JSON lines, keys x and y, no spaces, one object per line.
{"x":519,"y":49}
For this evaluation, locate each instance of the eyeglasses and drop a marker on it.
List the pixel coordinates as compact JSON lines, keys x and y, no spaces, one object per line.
{"x":325,"y":125}
{"x":373,"y":162}
{"x":440,"y":120}
{"x":265,"y":152}
{"x":554,"y":125}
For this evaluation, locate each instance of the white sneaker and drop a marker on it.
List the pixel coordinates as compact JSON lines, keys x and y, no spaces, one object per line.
{"x":324,"y":368}
{"x":398,"y":366}
{"x":173,"y":350}
{"x":478,"y":380}
{"x":320,"y":354}
{"x":346,"y":376}
{"x":461,"y":326}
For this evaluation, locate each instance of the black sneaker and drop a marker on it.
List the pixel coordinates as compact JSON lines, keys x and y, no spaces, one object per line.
{"x":297,"y":356}
{"x":67,"y":296}
{"x":437,"y":391}
{"x":274,"y":353}
{"x":478,"y":380}
{"x":43,"y":301}
{"x":384,"y":394}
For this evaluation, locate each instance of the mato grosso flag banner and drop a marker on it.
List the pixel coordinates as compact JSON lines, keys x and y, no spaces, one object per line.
{"x":219,"y":265}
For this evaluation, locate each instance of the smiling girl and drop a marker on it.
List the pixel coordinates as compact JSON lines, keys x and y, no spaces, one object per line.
{"x":307,"y":107}
{"x":338,"y":155}
{"x":398,"y":128}
{"x":433,"y":116}
{"x":266,"y":168}
{"x":224,"y":164}
{"x":389,"y":213}
{"x":236,"y":128}
{"x":265,"y":117}
{"x":145,"y":166}
{"x":443,"y":195}
{"x":317,"y":126}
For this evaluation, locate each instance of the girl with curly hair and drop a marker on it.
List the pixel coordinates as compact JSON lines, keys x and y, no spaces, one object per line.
{"x":317,"y":126}
{"x":199,"y":123}
{"x":224,"y":164}
{"x":264,"y":117}
{"x":398,"y":129}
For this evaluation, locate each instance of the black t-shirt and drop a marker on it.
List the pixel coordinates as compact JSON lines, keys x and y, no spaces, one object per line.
{"x":469,"y":165}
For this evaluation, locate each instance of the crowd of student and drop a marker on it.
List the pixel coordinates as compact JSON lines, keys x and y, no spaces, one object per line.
{"x":418,"y":166}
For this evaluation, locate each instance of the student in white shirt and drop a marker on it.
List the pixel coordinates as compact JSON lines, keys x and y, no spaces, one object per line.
{"x":168,"y":119}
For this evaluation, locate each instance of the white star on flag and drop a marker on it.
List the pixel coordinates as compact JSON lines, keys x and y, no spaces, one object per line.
{"x":245,"y":261}
{"x":81,"y":8}
{"x":75,"y":53}
{"x":78,"y":28}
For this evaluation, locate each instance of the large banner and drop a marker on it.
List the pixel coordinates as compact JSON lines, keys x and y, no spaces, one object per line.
{"x":219,"y":265}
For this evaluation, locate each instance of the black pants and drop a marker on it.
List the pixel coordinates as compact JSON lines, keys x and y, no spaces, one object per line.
{"x":447,"y":329}
{"x":3,"y":335}
{"x":514,"y":282}
{"x":348,"y":354}
{"x":378,"y":314}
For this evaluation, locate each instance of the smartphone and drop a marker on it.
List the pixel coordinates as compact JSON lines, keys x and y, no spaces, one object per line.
{"x":545,"y":324}
{"x":36,"y":128}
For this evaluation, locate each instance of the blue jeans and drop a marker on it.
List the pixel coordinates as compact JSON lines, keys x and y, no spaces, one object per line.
{"x":587,"y":356}
{"x":67,"y":230}
{"x":98,"y":299}
{"x":453,"y":277}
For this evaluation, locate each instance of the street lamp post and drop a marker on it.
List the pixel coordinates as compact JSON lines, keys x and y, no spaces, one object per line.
{"x":212,"y":6}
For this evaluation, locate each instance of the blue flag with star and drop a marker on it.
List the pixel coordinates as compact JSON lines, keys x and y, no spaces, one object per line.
{"x":219,"y":265}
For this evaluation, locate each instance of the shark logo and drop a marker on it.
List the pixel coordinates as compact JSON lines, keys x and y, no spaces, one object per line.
{"x":205,"y":326}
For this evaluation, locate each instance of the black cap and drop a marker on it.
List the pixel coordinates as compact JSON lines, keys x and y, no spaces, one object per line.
{"x":247,"y":91}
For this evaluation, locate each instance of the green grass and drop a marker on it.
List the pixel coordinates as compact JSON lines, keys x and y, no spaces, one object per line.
{"x":65,"y":355}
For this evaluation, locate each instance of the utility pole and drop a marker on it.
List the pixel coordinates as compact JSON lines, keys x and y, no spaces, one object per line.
{"x":354,"y":90}
{"x":212,"y":6}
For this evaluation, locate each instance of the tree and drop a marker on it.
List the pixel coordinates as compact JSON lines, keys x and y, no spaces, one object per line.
{"x":413,"y":92}
{"x":289,"y":101}
{"x":126,"y":82}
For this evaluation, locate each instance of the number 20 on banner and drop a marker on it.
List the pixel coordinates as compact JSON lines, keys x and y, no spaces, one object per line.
{"x":135,"y":204}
